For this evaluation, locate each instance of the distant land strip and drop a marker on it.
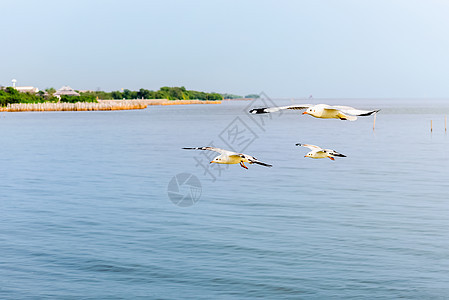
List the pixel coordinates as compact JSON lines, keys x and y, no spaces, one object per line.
{"x":101,"y":105}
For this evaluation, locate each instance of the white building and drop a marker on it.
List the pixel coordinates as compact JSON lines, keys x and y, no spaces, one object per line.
{"x":27,"y":89}
{"x":65,"y":90}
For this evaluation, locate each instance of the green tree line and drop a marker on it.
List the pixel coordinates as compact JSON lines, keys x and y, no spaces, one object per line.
{"x":10,"y":95}
{"x":170,"y":93}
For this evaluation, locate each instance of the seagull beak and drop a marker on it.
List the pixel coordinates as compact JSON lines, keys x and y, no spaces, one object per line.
{"x":305,"y":113}
{"x":211,"y":162}
{"x":305,"y":155}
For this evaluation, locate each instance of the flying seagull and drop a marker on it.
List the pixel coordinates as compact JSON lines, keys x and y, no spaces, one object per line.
{"x":322,"y":111}
{"x":318,"y":152}
{"x":229,"y":157}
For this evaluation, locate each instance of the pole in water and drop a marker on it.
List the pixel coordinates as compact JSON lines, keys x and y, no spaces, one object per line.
{"x":431,"y":129}
{"x":445,"y":123}
{"x":374,"y":122}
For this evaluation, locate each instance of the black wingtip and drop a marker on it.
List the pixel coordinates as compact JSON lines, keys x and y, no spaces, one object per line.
{"x":262,"y":164}
{"x":258,"y":111}
{"x":370,"y":113}
{"x":339,"y":155}
{"x":298,"y":144}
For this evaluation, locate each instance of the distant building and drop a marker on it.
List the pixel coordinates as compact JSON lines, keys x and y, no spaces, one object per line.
{"x":27,"y":89}
{"x":65,"y":90}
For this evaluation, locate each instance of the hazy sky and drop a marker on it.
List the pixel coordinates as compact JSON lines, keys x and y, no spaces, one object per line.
{"x":327,"y":48}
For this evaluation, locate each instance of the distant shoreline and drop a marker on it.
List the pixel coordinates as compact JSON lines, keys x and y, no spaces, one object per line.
{"x":102,"y":105}
{"x":162,"y":101}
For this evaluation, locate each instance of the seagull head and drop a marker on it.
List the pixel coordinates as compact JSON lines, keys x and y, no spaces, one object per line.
{"x":309,"y":111}
{"x":216,"y":160}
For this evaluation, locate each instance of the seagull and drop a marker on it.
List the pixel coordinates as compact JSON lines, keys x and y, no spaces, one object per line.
{"x":318,"y":152}
{"x":322,"y":111}
{"x":229,"y":157}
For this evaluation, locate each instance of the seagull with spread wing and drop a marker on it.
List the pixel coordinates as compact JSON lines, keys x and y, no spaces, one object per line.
{"x":322,"y":111}
{"x":229,"y":157}
{"x":318,"y":152}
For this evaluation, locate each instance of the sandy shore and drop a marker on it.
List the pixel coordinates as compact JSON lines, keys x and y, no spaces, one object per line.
{"x":101,"y":105}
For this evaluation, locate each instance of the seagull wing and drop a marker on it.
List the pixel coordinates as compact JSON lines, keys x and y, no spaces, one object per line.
{"x":221,"y":151}
{"x":254,"y":160}
{"x":265,"y":110}
{"x":355,"y":112}
{"x":311,"y":147}
{"x":334,"y":153}
{"x":261,"y":163}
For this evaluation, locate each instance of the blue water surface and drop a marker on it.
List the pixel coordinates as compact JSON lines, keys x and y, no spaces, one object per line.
{"x":85,"y":212}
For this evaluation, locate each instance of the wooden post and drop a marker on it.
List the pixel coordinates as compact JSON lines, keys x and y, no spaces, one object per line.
{"x":431,"y":129}
{"x":374,"y":122}
{"x":445,"y":123}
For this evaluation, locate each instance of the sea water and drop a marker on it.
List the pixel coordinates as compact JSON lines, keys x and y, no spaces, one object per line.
{"x":86,"y":211}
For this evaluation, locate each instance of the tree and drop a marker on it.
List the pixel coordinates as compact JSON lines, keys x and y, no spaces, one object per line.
{"x":127,"y":94}
{"x":145,"y":94}
{"x":214,"y":96}
{"x":161,"y":95}
{"x":116,"y":95}
{"x":50,"y":91}
{"x":82,"y":98}
{"x":231,"y":96}
{"x":176,"y":93}
{"x":253,"y":96}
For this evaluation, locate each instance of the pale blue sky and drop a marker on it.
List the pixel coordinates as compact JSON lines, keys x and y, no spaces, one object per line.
{"x":328,"y":48}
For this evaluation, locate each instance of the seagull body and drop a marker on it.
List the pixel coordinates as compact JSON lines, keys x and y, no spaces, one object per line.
{"x":228,"y":157}
{"x":318,"y":152}
{"x":322,"y":111}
